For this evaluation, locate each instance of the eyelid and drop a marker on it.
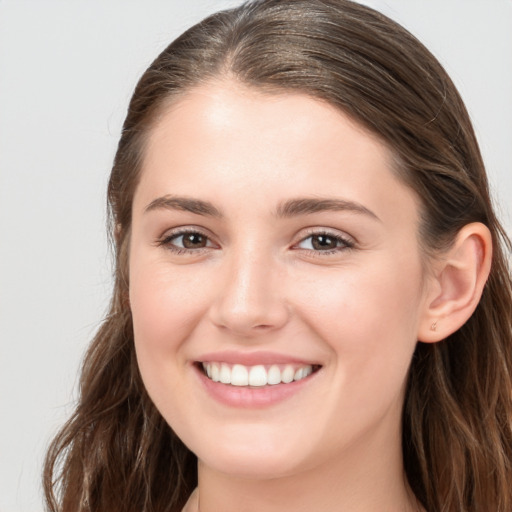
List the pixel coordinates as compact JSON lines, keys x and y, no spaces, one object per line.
{"x":348,"y":241}
{"x":322,"y":230}
{"x":165,"y":239}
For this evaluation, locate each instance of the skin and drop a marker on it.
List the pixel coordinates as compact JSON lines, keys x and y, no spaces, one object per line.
{"x":259,"y":284}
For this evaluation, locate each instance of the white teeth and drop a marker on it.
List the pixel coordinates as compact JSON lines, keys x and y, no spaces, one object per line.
{"x":274,"y":375}
{"x":239,"y":375}
{"x":287,"y":374}
{"x":256,"y":376}
{"x":225,"y":374}
{"x":303,"y":372}
{"x":214,"y":370}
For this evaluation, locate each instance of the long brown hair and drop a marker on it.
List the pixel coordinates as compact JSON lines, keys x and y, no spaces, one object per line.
{"x":116,"y":453}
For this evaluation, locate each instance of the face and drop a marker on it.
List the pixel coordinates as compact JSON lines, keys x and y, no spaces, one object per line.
{"x":276,"y":282}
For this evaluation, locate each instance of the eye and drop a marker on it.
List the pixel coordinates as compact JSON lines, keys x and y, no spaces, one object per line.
{"x":324,"y":242}
{"x":190,"y":240}
{"x":184,"y":241}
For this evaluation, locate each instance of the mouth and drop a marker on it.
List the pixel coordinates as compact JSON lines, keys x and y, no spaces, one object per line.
{"x":256,"y":376}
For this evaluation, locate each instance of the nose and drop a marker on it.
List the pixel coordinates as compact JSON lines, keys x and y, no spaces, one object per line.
{"x":250,"y":297}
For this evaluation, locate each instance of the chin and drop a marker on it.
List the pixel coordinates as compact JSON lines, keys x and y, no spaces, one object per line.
{"x":252,"y":457}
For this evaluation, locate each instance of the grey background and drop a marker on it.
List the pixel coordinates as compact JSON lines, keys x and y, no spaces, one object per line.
{"x":67,"y":69}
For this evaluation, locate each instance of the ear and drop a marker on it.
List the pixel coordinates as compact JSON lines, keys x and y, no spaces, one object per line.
{"x":457,"y":283}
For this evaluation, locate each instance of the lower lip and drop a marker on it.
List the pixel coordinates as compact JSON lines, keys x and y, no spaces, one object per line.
{"x":252,"y":397}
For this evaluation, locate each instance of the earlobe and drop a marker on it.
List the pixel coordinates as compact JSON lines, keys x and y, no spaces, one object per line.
{"x":455,"y":289}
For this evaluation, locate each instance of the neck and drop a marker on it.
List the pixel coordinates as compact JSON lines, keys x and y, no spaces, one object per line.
{"x":369,"y":477}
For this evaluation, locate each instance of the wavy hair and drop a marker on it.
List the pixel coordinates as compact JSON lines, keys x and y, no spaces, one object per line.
{"x":116,"y":453}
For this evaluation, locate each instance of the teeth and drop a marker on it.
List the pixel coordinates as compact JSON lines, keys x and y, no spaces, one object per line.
{"x":239,"y":375}
{"x":256,"y":376}
{"x":225,"y":374}
{"x":215,"y":372}
{"x":303,"y":372}
{"x":287,"y":374}
{"x":274,"y":375}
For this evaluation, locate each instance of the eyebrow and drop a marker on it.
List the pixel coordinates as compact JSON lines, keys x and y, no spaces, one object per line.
{"x":287,"y":209}
{"x":186,"y":204}
{"x":304,"y":206}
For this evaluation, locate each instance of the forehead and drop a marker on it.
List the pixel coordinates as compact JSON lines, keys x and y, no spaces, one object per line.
{"x":230,"y":110}
{"x":229,"y":138}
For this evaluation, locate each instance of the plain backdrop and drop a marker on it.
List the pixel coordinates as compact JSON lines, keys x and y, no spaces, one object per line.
{"x":67,"y":70}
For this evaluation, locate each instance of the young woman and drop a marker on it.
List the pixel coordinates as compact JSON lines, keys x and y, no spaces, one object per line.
{"x":312,"y":306}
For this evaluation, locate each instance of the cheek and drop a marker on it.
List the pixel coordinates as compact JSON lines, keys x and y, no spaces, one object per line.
{"x":374,"y":296}
{"x":165,"y":310}
{"x":164,"y":304}
{"x":369,"y":321}
{"x":369,"y":317}
{"x":166,"y":307}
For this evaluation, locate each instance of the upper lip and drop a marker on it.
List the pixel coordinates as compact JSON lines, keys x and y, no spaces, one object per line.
{"x":252,"y":358}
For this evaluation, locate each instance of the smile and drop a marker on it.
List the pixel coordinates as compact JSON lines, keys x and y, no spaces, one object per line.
{"x":256,"y":376}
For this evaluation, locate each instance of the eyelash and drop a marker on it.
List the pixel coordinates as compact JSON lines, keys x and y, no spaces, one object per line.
{"x":166,"y":241}
{"x":345,"y":243}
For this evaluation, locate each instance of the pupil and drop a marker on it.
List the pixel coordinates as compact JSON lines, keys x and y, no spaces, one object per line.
{"x":323,"y":242}
{"x":194,"y":240}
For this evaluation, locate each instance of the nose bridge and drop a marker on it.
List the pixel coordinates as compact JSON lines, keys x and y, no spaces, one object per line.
{"x":250,"y":298}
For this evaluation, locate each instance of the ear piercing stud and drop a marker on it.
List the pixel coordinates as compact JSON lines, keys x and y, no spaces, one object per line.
{"x":433,"y":327}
